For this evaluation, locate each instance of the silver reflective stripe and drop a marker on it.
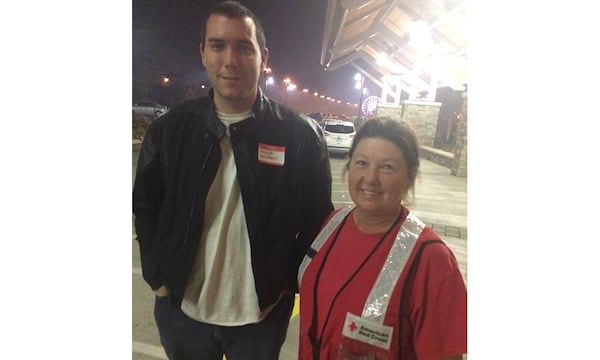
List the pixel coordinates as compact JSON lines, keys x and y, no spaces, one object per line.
{"x":379,"y":297}
{"x":323,"y":236}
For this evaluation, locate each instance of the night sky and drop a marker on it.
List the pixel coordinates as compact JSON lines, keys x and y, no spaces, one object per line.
{"x":167,"y":33}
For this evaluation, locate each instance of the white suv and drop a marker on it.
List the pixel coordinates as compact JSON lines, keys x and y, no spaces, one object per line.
{"x":338,"y":134}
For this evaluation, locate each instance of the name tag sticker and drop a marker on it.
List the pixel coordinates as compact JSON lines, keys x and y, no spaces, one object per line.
{"x":367,"y":332}
{"x":271,"y":154}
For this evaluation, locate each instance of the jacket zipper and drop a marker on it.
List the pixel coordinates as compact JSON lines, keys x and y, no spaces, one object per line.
{"x":189,"y":223}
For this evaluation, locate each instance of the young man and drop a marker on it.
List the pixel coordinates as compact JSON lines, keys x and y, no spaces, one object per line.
{"x":230,"y":190}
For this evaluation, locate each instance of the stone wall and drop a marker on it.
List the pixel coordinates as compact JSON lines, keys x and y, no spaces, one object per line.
{"x":389,"y":110}
{"x":437,"y":156}
{"x":459,"y":163}
{"x":420,"y":115}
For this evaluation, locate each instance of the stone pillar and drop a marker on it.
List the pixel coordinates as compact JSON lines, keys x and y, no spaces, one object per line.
{"x":422,"y":117}
{"x":459,"y":163}
{"x":389,"y":110}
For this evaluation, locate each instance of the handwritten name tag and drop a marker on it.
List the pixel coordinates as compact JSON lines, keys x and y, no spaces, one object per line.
{"x":271,"y":154}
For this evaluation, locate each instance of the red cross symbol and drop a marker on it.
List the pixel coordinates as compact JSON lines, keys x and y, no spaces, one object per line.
{"x":352,"y":326}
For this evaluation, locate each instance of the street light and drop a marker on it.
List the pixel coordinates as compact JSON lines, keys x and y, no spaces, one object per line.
{"x":291,"y":86}
{"x":359,"y":83}
{"x":268,"y":79}
{"x":288,"y":86}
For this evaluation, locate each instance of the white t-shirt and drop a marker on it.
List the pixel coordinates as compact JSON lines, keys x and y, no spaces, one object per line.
{"x":221,"y":289}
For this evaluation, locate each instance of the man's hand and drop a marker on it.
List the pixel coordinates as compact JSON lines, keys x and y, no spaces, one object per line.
{"x":161,"y":291}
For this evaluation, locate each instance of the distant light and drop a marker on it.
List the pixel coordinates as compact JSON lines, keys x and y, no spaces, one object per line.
{"x":359,"y":81}
{"x":270,"y":80}
{"x":316,"y":93}
{"x":166,"y":79}
{"x":420,"y":36}
{"x":383,"y":60}
{"x":304,"y":90}
{"x":419,"y":31}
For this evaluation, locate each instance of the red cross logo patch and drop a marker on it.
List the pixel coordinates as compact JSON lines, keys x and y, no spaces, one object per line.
{"x":352,"y":326}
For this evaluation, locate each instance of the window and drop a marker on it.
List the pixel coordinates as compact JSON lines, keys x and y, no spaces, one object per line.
{"x":339,"y":128}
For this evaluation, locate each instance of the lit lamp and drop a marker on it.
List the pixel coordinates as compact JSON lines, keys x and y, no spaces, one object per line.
{"x":288,"y":86}
{"x":359,"y":82}
{"x":268,"y":79}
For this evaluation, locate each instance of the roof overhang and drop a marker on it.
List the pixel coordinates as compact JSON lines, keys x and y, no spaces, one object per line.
{"x":376,"y":38}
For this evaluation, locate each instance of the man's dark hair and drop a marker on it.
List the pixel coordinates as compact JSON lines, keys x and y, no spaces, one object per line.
{"x":234,"y":9}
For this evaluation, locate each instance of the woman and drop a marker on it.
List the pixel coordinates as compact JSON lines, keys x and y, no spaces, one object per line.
{"x":377,"y":283}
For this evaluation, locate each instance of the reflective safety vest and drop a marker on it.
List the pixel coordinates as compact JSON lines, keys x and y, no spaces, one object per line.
{"x":379,"y":297}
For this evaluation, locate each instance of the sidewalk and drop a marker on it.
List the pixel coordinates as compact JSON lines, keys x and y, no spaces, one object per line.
{"x":441,"y":202}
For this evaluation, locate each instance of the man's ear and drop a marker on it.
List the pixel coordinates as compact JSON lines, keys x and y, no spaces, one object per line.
{"x":201,"y":48}
{"x":265,"y":58}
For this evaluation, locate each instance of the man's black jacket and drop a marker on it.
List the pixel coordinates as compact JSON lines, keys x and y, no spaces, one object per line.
{"x":284,"y":206}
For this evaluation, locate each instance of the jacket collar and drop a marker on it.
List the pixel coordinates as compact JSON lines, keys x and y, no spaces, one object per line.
{"x":217,"y":128}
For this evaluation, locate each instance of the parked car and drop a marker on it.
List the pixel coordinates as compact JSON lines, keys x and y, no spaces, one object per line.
{"x":150,"y":108}
{"x":338,"y":135}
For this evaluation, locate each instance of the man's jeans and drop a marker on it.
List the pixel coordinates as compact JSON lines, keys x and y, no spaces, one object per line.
{"x":184,"y":338}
